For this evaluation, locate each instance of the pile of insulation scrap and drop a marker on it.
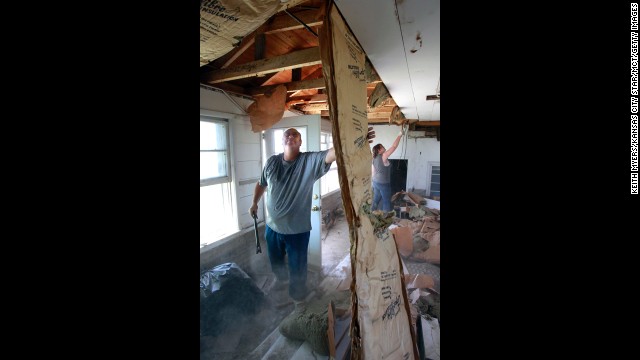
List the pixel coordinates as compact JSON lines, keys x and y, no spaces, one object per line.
{"x":312,"y":321}
{"x":380,"y":220}
{"x":418,"y":237}
{"x":425,"y":319}
{"x":418,"y":240}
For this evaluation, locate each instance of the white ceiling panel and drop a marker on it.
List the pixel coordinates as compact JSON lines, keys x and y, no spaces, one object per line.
{"x":403,"y":43}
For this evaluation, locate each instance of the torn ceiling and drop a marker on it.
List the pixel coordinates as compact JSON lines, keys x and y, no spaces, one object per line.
{"x":250,"y":47}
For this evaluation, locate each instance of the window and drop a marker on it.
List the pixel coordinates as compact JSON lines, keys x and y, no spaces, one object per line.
{"x":434,"y":181}
{"x":330,"y":180}
{"x":214,"y":154}
{"x":217,"y":217}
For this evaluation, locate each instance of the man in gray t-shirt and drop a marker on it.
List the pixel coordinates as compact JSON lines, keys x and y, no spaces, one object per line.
{"x":289,"y":187}
{"x":288,"y":179}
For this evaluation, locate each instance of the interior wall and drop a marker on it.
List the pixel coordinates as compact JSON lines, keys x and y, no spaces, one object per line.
{"x":418,"y":152}
{"x":331,"y":201}
{"x":246,"y":149}
{"x":246,"y":165}
{"x":216,"y":100}
{"x":241,"y":250}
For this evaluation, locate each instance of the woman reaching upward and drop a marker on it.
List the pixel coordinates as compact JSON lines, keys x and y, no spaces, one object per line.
{"x":381,"y":175}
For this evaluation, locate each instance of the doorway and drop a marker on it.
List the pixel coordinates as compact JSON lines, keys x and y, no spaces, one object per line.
{"x":309,"y":128}
{"x":398,"y":175}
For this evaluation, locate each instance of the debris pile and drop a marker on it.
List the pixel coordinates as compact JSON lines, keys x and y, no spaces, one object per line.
{"x":418,"y":236}
{"x":310,"y":321}
{"x":226,"y":294}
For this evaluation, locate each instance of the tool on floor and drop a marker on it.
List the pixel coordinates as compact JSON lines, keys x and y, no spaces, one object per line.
{"x":255,"y":228}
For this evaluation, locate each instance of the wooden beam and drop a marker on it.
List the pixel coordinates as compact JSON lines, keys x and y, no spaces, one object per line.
{"x":296,"y":59}
{"x":309,"y":98}
{"x":289,"y":4}
{"x":292,"y":86}
{"x":227,"y":59}
{"x":238,"y":52}
{"x":306,"y":99}
{"x":379,"y":115}
{"x":315,"y":74}
{"x":379,"y":121}
{"x":318,"y":98}
{"x":276,"y":78}
{"x":383,"y":108}
{"x":248,"y":40}
{"x":286,"y":22}
{"x":426,"y":123}
{"x":315,"y":107}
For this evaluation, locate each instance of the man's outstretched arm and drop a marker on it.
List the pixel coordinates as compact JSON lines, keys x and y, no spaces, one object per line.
{"x":331,"y":154}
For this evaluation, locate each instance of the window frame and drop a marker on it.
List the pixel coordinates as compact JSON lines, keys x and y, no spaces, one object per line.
{"x":220,"y":179}
{"x":230,"y":183}
{"x":430,"y":166}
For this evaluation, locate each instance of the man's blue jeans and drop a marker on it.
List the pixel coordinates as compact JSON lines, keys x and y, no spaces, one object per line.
{"x":381,"y":194}
{"x":295,"y":246}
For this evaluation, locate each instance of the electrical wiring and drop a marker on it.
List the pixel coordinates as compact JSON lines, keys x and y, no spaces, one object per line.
{"x":212,"y":88}
{"x":403,"y":152}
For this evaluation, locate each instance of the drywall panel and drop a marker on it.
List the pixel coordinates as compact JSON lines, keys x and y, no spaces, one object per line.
{"x":403,"y":45}
{"x":247,"y":170}
{"x":246,"y":151}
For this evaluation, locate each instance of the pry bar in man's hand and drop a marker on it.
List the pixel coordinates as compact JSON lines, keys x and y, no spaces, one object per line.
{"x":255,"y":228}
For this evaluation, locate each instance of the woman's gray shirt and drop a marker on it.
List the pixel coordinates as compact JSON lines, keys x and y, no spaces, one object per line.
{"x":381,"y":174}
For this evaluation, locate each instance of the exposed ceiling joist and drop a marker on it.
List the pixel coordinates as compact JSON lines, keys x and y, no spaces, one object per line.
{"x":425,"y":123}
{"x":239,"y":51}
{"x":315,"y":107}
{"x":379,"y":119}
{"x":288,"y":4}
{"x":315,"y":74}
{"x":296,"y":59}
{"x":291,"y":86}
{"x":286,"y":23}
{"x":379,"y":115}
{"x":309,"y":98}
{"x":227,"y":59}
{"x":278,"y":70}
